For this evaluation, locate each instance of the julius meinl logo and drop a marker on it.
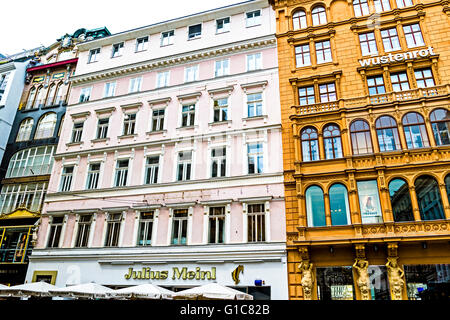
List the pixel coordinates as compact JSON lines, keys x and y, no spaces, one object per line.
{"x":177,"y":273}
{"x":397,"y":57}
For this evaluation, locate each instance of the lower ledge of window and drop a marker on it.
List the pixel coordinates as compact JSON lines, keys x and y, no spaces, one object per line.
{"x":100,"y":140}
{"x":163,"y":132}
{"x":71,"y":144}
{"x":264,"y":116}
{"x":217,"y":123}
{"x":127,"y":136}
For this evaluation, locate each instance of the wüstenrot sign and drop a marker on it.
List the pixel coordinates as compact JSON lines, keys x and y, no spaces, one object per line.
{"x":397,"y":57}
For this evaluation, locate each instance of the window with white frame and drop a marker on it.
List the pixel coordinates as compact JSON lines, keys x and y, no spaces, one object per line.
{"x":46,"y":126}
{"x":368,"y":44}
{"x":184,"y":165}
{"x":219,"y":162}
{"x":222,"y":68}
{"x":31,"y":161}
{"x":93,"y":176}
{"x":216,"y":226}
{"x":220,"y":110}
{"x":110,"y":89}
{"x":102,"y":128}
{"x":121,"y":174}
{"x":113,"y":225}
{"x":158,"y":119}
{"x":323,"y":51}
{"x":129,"y":124}
{"x":191,"y":73}
{"x":141,"y":44}
{"x":135,"y":84}
{"x":179,"y":227}
{"x":93,"y":55}
{"x":254,"y":61}
{"x":194,"y":31}
{"x":3,"y":82}
{"x":256,"y":229}
{"x":145,"y":228}
{"x":85,"y":94}
{"x":255,"y":157}
{"x":28,"y":196}
{"x":253,"y":18}
{"x":162,"y":79}
{"x":54,"y":235}
{"x":84,"y":228}
{"x":77,"y":132}
{"x":66,"y":178}
{"x":223,"y":25}
{"x":167,"y":38}
{"x":26,"y":126}
{"x":117,"y":50}
{"x":151,"y":169}
{"x":254,"y":105}
{"x":188,"y":115}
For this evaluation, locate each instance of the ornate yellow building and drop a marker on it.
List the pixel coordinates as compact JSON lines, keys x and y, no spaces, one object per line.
{"x":365,"y":92}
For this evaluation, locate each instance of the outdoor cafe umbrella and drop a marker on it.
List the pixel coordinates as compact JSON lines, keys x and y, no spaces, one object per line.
{"x":212,"y":291}
{"x":34,"y":289}
{"x":143,"y":291}
{"x":86,"y":290}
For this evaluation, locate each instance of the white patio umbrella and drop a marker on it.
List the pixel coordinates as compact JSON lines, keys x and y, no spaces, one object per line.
{"x":85,"y":290}
{"x":2,"y":286}
{"x":212,"y":291}
{"x":143,"y":291}
{"x":34,"y":289}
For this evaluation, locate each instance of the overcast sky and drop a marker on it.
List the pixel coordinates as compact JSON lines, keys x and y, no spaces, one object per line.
{"x":26,"y":24}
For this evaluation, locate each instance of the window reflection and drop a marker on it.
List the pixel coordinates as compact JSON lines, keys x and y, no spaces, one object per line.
{"x":400,"y":200}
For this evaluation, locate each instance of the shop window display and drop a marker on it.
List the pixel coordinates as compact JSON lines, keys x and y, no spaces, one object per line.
{"x":335,"y":283}
{"x":427,"y":282}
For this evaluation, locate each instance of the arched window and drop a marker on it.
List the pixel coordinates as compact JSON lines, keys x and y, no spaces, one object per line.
{"x":447,"y":185}
{"x":46,"y":126}
{"x":429,"y":198}
{"x":299,"y":20}
{"x":415,"y":131}
{"x":332,"y":141}
{"x":340,"y":212}
{"x":51,"y":95}
{"x":310,"y":144}
{"x":319,"y":16}
{"x":360,"y":7}
{"x":26,"y":126}
{"x":59,"y":96}
{"x":400,"y":200}
{"x":387,"y":134}
{"x":39,"y":98}
{"x":315,"y":207}
{"x":361,"y":139}
{"x":31,"y":161}
{"x":440,"y":122}
{"x":30,"y":99}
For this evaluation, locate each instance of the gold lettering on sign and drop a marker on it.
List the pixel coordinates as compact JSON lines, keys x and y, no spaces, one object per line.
{"x":147,"y":274}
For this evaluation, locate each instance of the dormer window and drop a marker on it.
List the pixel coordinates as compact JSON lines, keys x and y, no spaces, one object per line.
{"x":195,"y":31}
{"x":117,"y":50}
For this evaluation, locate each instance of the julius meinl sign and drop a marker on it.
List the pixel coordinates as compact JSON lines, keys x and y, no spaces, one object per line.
{"x":177,"y":273}
{"x":397,"y":57}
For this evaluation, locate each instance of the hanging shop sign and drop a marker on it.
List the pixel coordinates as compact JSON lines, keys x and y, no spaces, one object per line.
{"x":397,"y":57}
{"x":184,"y":273}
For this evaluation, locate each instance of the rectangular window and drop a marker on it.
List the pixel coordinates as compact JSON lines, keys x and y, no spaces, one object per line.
{"x":194,"y":31}
{"x":323,"y":52}
{"x":253,"y":18}
{"x":368,"y":44}
{"x":306,"y":96}
{"x":254,"y":105}
{"x":135,"y":84}
{"x":216,"y":230}
{"x":85,"y":94}
{"x":256,"y":223}
{"x":110,"y":89}
{"x":145,"y":228}
{"x":55,"y":232}
{"x":29,"y":196}
{"x":77,"y":131}
{"x":66,"y":179}
{"x":191,"y":74}
{"x":223,"y":25}
{"x":84,"y":228}
{"x":327,"y":92}
{"x":162,"y":79}
{"x":424,"y":78}
{"x":390,"y":40}
{"x":361,"y":8}
{"x":219,"y":162}
{"x":121,"y":175}
{"x":117,"y":50}
{"x":167,"y":38}
{"x":179,"y":226}
{"x":254,"y":61}
{"x":413,"y":35}
{"x":369,"y":201}
{"x":158,"y":120}
{"x":382,"y":5}
{"x":184,"y":166}
{"x":222,"y":68}
{"x":404,"y":3}
{"x":129,"y":124}
{"x":255,"y":158}
{"x":141,"y":44}
{"x":376,"y":85}
{"x":302,"y":56}
{"x":93,"y":55}
{"x":93,"y":176}
{"x":102,"y":128}
{"x":399,"y":81}
{"x":151,"y":170}
{"x":188,"y":115}
{"x":113,"y":225}
{"x":220,"y":110}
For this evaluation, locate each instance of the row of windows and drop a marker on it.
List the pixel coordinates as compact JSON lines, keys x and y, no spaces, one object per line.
{"x":361,"y":8}
{"x":29,"y":196}
{"x":44,"y":129}
{"x":38,"y":97}
{"x":253,"y":18}
{"x":426,"y":190}
{"x":387,"y":133}
{"x":191,"y":73}
{"x":216,"y":227}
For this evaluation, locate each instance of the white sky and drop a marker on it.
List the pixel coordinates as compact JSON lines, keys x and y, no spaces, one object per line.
{"x":27,"y":24}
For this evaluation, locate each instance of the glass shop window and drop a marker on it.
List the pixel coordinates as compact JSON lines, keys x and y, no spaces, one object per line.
{"x":335,"y":283}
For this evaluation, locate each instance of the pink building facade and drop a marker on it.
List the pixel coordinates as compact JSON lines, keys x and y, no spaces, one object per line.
{"x":169,"y":165}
